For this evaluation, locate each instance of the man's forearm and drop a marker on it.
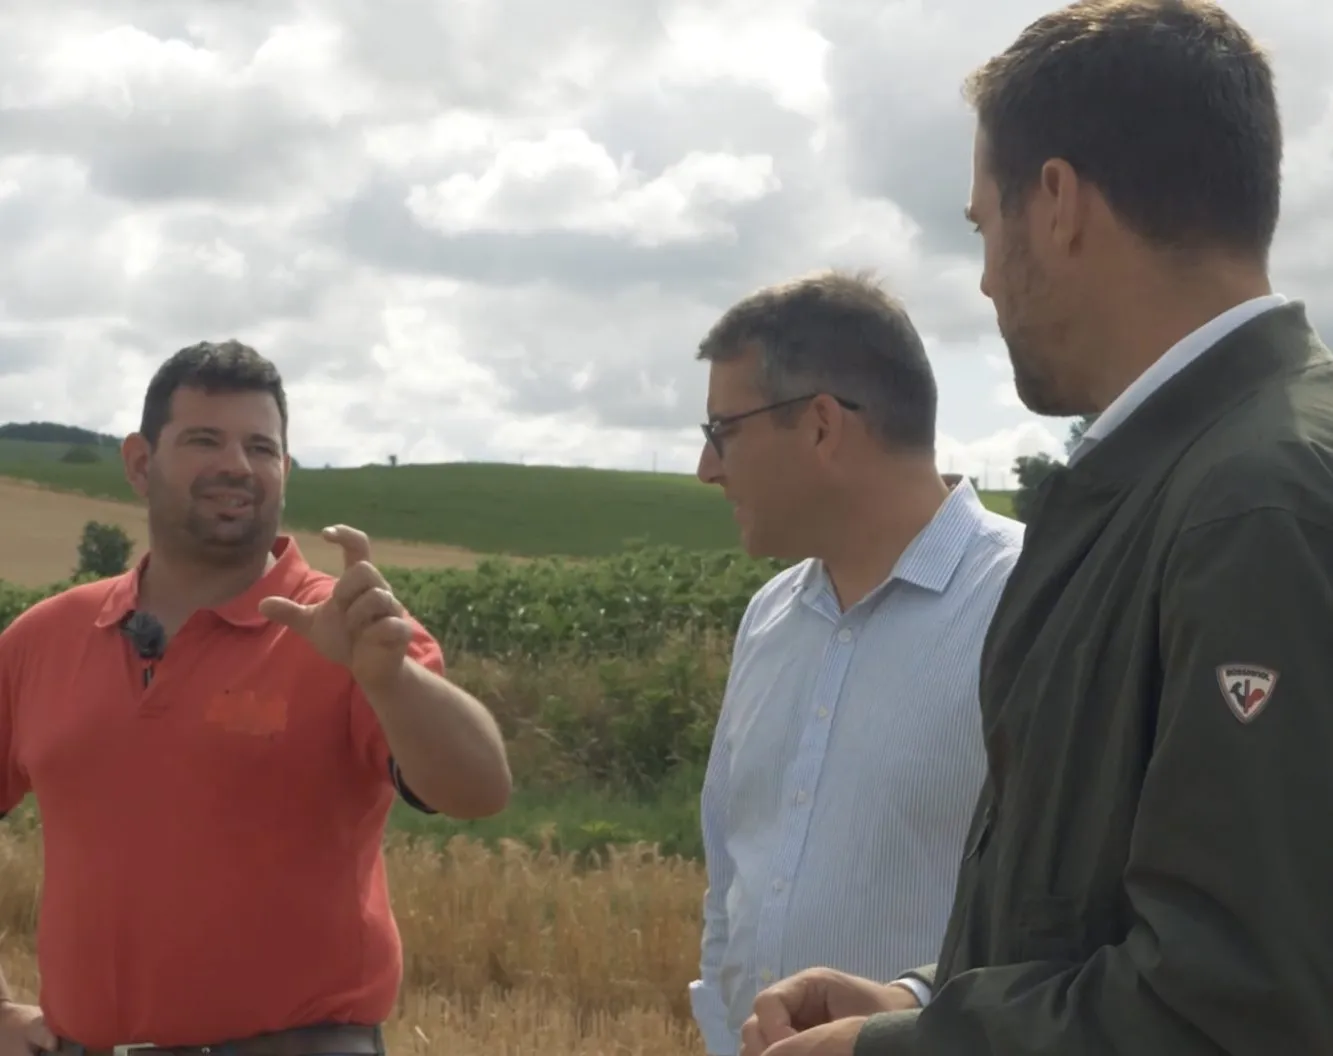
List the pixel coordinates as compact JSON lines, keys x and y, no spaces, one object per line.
{"x":444,"y":741}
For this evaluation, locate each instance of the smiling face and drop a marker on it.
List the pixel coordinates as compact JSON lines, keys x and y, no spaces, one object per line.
{"x":215,"y":480}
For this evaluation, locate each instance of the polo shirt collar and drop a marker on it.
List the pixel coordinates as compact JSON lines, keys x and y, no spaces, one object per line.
{"x":289,"y":571}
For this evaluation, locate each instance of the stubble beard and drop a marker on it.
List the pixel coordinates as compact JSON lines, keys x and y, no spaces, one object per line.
{"x":1033,"y":384}
{"x":204,"y":539}
{"x":1029,"y":346}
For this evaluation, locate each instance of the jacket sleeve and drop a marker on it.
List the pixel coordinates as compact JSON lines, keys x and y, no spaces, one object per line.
{"x":1230,"y":952}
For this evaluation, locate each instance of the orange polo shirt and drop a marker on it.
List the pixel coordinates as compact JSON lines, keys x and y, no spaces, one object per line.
{"x":213,"y":841}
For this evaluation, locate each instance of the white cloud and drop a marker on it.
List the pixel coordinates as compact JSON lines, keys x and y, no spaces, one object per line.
{"x":770,"y":46}
{"x":451,"y":137}
{"x":120,"y":70}
{"x":497,"y":229}
{"x":566,"y":182}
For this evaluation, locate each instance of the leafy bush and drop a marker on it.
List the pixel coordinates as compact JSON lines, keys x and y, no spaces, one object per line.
{"x":104,"y":550}
{"x":624,"y":605}
{"x":607,"y":673}
{"x":614,"y":721}
{"x":80,"y":454}
{"x":14,"y":600}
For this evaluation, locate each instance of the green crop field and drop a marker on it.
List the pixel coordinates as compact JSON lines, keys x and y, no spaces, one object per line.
{"x":605,"y":671}
{"x":487,"y":507}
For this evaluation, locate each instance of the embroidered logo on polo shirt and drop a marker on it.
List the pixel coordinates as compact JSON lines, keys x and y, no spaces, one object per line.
{"x":1247,"y":688}
{"x":248,"y":711}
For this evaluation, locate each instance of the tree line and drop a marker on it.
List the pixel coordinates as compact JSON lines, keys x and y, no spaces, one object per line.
{"x":55,"y":433}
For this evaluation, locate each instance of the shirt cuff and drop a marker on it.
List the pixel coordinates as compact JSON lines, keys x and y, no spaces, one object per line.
{"x":920,"y":989}
{"x":710,"y":1014}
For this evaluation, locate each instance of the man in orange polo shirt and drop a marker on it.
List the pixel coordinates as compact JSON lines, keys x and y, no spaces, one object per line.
{"x":214,"y":741}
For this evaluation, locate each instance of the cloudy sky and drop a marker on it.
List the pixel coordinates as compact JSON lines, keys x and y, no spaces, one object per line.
{"x":496,"y":229}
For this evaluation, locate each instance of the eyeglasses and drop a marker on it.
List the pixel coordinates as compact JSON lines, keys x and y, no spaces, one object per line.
{"x":714,"y":430}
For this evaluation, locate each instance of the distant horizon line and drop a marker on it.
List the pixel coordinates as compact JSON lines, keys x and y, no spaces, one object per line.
{"x":109,"y":440}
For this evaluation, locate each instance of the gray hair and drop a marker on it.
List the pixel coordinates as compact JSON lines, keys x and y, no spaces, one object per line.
{"x":839,"y":334}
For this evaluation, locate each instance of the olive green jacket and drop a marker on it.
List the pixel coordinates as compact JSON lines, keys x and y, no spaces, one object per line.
{"x":1150,"y":867}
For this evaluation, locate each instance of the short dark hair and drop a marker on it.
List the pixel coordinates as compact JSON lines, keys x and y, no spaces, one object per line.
{"x":224,"y":367}
{"x":1167,"y":106}
{"x":840,"y":334}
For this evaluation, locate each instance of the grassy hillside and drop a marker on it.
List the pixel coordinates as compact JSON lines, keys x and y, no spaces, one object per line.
{"x":493,"y":508}
{"x":36,"y":451}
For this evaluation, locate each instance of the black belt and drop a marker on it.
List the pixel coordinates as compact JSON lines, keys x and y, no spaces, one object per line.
{"x":333,"y":1039}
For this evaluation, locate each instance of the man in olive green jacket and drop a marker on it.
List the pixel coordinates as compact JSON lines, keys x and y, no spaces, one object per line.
{"x":1148,"y":871}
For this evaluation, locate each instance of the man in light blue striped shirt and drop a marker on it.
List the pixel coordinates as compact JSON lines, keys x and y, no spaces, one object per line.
{"x":848,"y":754}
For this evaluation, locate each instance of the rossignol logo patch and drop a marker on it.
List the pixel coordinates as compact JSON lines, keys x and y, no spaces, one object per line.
{"x":1247,"y":688}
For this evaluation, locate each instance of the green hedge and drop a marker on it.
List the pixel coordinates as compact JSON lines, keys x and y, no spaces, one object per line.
{"x":627,"y":604}
{"x":605,"y":672}
{"x":630,"y":603}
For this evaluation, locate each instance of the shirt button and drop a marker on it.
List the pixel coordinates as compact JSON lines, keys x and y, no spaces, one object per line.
{"x":800,"y":796}
{"x":844,"y":635}
{"x":823,"y":713}
{"x":766,"y":976}
{"x":778,"y":885}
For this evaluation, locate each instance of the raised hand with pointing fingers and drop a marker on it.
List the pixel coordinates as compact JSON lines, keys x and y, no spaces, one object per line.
{"x":361,"y":625}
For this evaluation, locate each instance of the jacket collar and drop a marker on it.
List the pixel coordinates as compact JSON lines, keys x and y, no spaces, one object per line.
{"x":1276,"y":343}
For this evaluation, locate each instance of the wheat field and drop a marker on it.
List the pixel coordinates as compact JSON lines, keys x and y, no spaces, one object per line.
{"x":506,"y":952}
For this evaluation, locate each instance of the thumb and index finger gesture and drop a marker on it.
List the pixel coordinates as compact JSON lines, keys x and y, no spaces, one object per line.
{"x":301,"y":618}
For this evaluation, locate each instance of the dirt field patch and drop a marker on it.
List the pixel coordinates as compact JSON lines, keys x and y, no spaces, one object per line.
{"x":40,"y":530}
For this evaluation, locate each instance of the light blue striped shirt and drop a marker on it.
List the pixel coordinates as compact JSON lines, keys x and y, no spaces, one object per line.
{"x":845,"y":766}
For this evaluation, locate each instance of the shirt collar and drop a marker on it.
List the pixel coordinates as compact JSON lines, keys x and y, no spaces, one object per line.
{"x":1172,"y":362}
{"x":288,"y":572}
{"x":933,"y":556}
{"x":931,"y":559}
